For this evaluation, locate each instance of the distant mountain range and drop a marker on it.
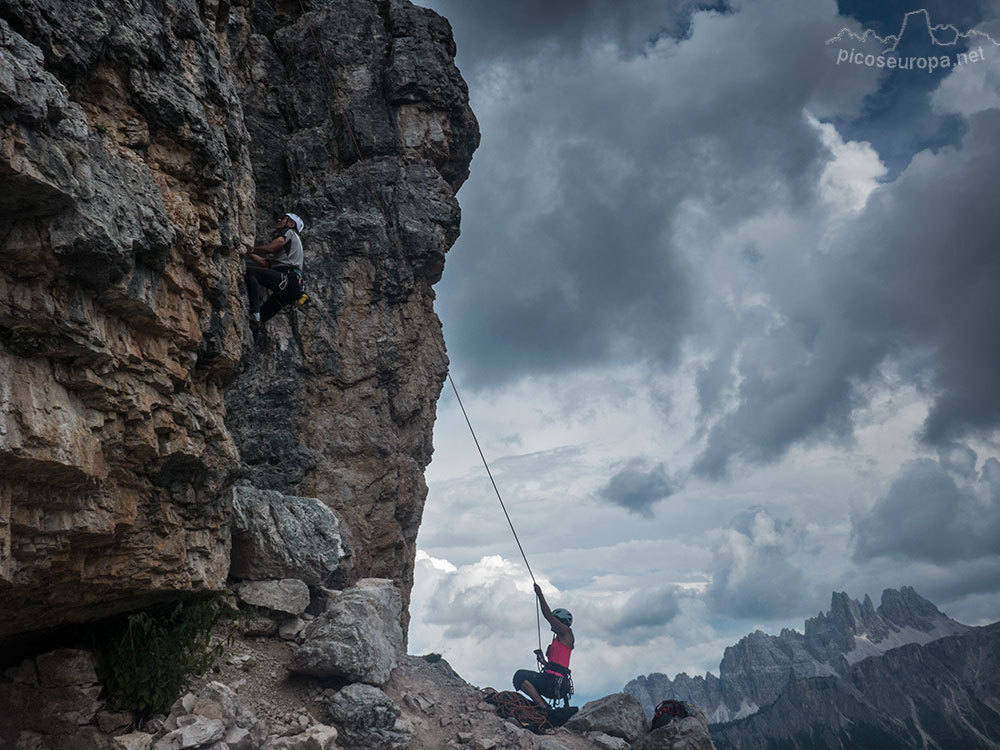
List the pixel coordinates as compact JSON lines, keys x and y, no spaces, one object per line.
{"x":755,"y":671}
{"x":899,"y":677}
{"x":944,"y":695}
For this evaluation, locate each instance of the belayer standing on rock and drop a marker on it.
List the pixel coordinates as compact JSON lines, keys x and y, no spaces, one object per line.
{"x":553,"y":681}
{"x":276,"y":266}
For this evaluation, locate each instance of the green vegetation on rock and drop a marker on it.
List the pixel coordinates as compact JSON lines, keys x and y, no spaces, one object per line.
{"x":147,"y":658}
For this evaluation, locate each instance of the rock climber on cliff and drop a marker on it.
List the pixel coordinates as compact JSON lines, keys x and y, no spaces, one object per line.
{"x":276,"y":265}
{"x":553,"y":681}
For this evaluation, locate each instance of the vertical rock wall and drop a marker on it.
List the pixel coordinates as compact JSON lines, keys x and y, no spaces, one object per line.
{"x":367,"y":137}
{"x":137,"y":141}
{"x":126,"y":188}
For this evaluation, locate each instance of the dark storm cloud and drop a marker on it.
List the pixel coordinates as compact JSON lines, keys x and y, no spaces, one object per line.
{"x":637,"y":487}
{"x":592,"y":156}
{"x":569,"y":256}
{"x":642,"y":617}
{"x":929,"y":516}
{"x":927,"y":273}
{"x":912,"y":283}
{"x":789,"y":394}
{"x":514,"y":28}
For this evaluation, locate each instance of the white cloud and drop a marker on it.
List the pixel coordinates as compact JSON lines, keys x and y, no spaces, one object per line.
{"x":481,"y":617}
{"x":853,"y":172}
{"x":751,"y":558}
{"x":970,"y":88}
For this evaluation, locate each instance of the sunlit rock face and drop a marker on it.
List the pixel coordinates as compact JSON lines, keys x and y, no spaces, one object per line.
{"x":127,"y":190}
{"x":140,"y":154}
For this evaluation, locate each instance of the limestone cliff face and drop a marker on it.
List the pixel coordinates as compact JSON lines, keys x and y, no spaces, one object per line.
{"x":339,"y":401}
{"x":138,"y":141}
{"x":126,"y":188}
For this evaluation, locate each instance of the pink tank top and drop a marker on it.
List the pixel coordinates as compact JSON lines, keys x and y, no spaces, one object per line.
{"x":558,"y":653}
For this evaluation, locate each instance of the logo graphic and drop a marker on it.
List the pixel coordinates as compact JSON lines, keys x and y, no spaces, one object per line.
{"x":939,"y":40}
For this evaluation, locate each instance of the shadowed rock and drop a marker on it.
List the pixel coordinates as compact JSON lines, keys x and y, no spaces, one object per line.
{"x":138,"y":152}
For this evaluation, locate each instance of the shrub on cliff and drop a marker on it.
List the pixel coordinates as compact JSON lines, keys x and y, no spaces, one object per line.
{"x":146,"y":659}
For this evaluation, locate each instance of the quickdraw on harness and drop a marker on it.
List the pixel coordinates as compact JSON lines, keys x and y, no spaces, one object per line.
{"x":562,"y":677}
{"x":299,"y":296}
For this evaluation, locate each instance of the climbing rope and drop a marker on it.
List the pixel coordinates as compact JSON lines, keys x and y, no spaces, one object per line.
{"x":394,"y":239}
{"x":490,"y":473}
{"x":538,"y":619}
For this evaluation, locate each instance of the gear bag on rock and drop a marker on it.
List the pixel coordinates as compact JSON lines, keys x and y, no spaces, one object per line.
{"x":667,"y":711}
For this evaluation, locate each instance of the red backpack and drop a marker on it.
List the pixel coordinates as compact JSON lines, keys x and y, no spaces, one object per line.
{"x":667,"y":711}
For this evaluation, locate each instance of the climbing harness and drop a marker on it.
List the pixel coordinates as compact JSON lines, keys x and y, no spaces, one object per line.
{"x":562,"y":679}
{"x":294,"y":297}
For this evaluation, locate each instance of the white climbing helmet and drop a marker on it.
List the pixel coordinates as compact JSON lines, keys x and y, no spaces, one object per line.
{"x":299,"y":225}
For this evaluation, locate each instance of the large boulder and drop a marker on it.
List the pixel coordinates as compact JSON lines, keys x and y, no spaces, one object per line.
{"x":288,"y":595}
{"x":280,"y":536}
{"x":367,"y":718}
{"x":66,"y":666}
{"x":195,"y":732}
{"x":358,"y":637}
{"x":619,"y":715}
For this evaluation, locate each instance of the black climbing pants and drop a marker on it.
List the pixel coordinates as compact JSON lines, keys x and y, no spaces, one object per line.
{"x":547,"y":685}
{"x":285,"y":286}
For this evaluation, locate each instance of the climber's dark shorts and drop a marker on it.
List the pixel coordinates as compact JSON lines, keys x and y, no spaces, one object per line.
{"x":285,"y":284}
{"x":544,"y":683}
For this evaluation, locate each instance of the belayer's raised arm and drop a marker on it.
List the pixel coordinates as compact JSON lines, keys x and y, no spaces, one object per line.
{"x":559,"y":626}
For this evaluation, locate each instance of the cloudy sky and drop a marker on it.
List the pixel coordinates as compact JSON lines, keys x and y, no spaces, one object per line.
{"x":724,"y":314}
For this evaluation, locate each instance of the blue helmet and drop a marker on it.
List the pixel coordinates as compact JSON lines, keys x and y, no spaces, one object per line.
{"x":564,"y":616}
